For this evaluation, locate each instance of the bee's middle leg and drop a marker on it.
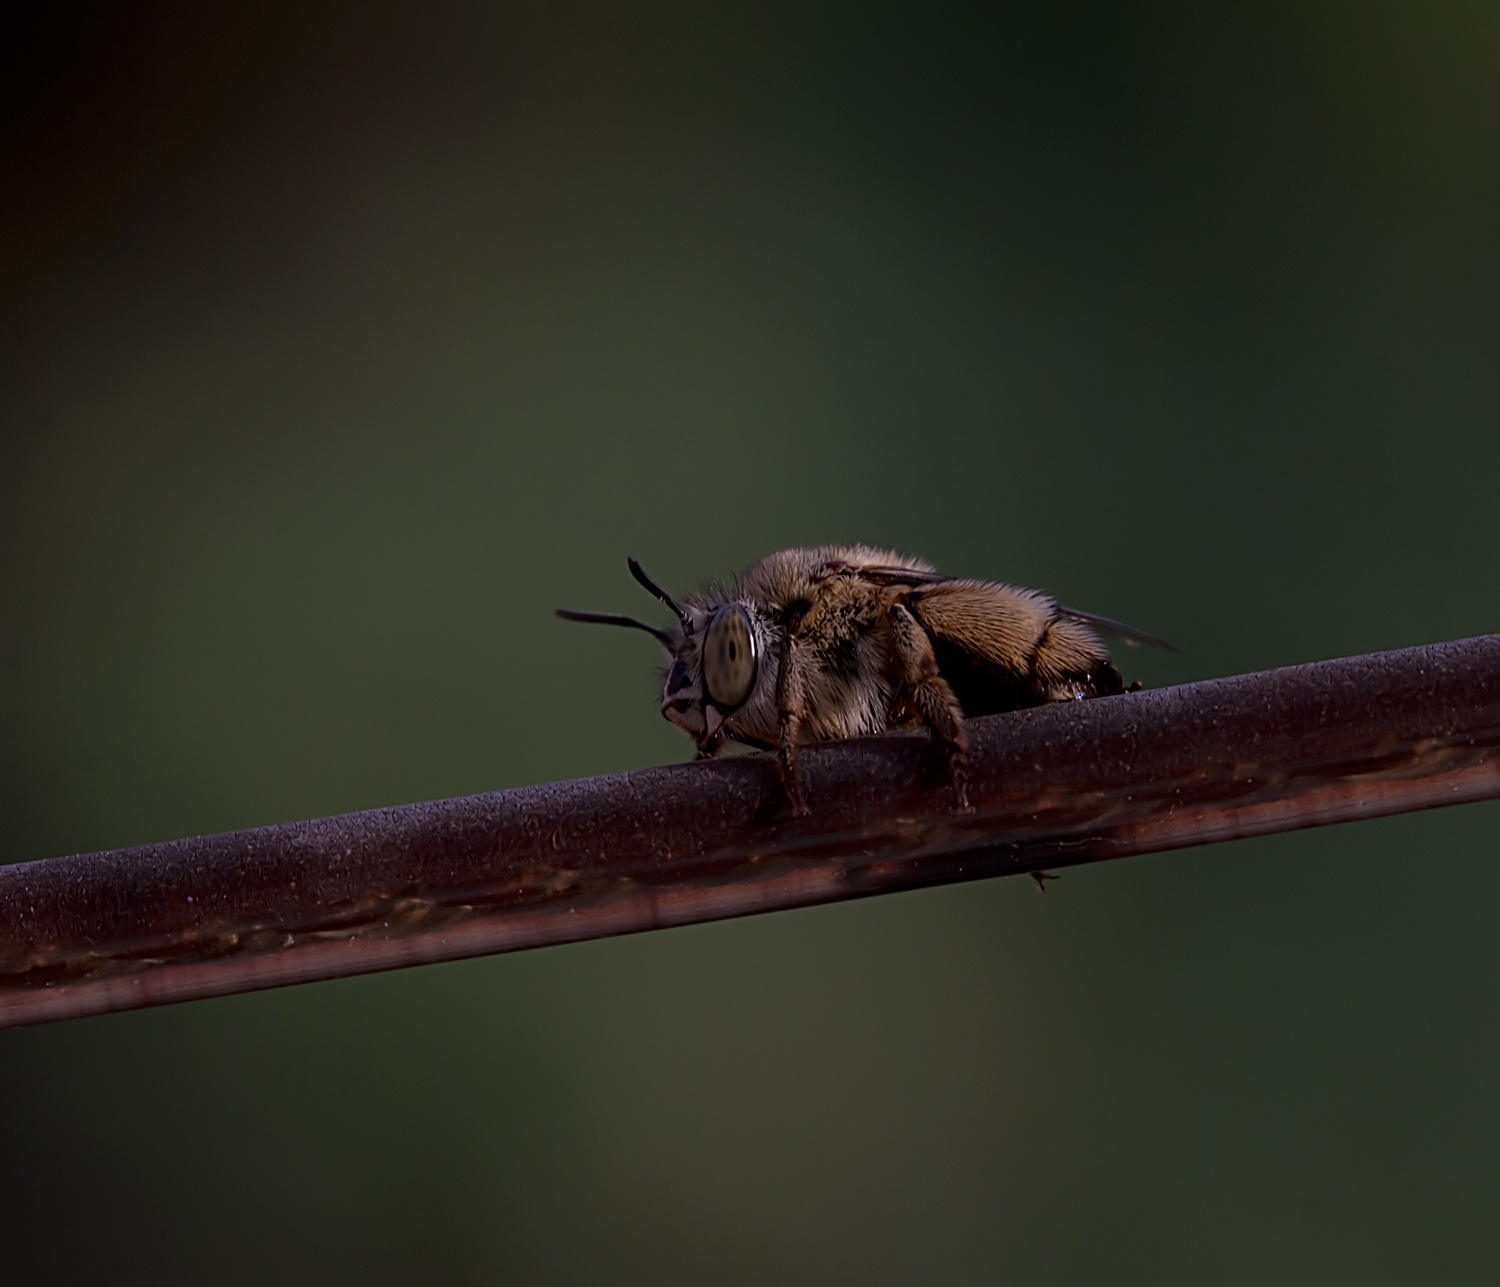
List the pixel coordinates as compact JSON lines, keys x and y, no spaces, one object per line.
{"x":791,"y":701}
{"x":916,"y":666}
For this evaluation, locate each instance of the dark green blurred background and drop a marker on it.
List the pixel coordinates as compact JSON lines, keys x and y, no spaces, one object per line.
{"x":341,"y":343}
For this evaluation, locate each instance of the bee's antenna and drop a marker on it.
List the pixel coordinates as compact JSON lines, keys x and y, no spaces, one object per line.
{"x":614,"y":619}
{"x":639,"y":574}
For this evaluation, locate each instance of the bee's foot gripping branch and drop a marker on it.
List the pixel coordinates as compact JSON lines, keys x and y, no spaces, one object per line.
{"x":1049,"y":787}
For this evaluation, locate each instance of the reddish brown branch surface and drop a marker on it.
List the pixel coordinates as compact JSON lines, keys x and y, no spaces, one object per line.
{"x":1051,"y":787}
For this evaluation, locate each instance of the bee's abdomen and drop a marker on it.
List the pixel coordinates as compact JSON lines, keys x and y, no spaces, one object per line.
{"x":1067,"y":662}
{"x":1002,"y":648}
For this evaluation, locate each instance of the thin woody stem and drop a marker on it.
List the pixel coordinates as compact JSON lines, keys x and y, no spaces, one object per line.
{"x":1063,"y":784}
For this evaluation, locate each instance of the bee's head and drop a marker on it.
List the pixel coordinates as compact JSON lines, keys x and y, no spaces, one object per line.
{"x":715,"y":660}
{"x":714,"y":668}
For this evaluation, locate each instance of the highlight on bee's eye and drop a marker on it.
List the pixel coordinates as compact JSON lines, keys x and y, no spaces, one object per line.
{"x":729,"y":657}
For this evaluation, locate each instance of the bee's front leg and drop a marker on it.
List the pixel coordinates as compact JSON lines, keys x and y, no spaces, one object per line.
{"x":791,"y":701}
{"x":916,"y":667}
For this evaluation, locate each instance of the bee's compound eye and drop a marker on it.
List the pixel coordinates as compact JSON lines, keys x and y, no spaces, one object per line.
{"x":729,"y":657}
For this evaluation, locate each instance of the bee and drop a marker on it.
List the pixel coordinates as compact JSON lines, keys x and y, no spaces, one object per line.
{"x":841,"y":641}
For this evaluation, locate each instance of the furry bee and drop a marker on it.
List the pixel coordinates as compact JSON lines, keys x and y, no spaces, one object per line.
{"x":848,"y":640}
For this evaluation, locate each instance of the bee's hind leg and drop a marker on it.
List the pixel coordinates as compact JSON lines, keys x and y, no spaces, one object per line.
{"x":916,"y":667}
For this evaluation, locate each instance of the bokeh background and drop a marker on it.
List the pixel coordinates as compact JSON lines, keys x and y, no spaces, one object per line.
{"x":341,"y":343}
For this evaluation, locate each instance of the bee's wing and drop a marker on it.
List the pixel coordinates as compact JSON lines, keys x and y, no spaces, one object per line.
{"x":1119,"y":629}
{"x":877,"y":574}
{"x":980,"y":596}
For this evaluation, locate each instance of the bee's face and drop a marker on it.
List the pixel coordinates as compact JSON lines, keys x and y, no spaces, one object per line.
{"x":713,"y":673}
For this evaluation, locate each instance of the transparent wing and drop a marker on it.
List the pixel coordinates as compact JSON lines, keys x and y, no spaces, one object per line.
{"x":888,"y":576}
{"x":880,"y":575}
{"x":1119,"y":629}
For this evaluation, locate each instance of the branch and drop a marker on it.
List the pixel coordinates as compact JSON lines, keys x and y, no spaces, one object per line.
{"x":1051,"y":787}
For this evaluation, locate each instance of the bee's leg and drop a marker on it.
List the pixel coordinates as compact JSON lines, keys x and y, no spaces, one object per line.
{"x":791,"y":699}
{"x":916,"y":667}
